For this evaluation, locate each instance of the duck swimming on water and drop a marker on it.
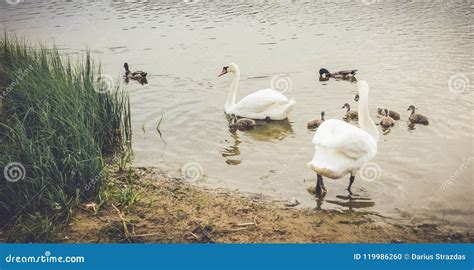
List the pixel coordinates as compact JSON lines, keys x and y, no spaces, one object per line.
{"x":138,"y":75}
{"x":343,"y":74}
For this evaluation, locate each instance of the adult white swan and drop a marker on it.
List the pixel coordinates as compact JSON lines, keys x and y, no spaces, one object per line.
{"x":266,"y":104}
{"x":341,"y":148}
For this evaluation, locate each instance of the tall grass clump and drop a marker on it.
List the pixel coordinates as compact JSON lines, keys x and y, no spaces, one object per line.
{"x":58,"y":121}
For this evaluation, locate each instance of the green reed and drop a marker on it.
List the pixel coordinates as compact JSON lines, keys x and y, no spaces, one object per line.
{"x":58,"y":118}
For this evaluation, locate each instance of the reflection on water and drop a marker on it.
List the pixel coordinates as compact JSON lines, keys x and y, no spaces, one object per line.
{"x":408,"y":52}
{"x":232,"y":151}
{"x":411,"y":126}
{"x":348,"y":79}
{"x":352,"y":202}
{"x":270,"y":131}
{"x":142,"y":81}
{"x":263,"y":131}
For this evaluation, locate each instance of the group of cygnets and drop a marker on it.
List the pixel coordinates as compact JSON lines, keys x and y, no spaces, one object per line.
{"x":387,"y":117}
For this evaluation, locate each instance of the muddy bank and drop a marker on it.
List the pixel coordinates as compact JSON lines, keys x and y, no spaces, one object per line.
{"x":170,"y":210}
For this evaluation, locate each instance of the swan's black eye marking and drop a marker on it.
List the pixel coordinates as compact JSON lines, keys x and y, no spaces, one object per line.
{"x":224,"y":71}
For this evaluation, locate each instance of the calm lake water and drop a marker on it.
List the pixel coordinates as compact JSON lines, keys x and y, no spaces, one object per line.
{"x":410,"y":53}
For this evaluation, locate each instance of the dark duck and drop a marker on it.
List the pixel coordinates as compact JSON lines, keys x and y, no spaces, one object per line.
{"x":324,"y":74}
{"x":138,"y":75}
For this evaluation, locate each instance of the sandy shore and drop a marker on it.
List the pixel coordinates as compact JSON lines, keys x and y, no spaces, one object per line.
{"x":170,"y":210}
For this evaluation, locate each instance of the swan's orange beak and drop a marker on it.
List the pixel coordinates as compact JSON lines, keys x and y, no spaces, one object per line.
{"x":224,"y":71}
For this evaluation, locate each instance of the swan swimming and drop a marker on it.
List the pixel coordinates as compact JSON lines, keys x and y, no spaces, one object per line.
{"x":341,"y":148}
{"x":266,"y":104}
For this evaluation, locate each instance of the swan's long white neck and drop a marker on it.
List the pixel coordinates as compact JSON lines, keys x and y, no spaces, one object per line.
{"x":365,"y":121}
{"x":232,"y":90}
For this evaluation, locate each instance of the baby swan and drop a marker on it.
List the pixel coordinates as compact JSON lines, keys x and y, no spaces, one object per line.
{"x":350,"y":115}
{"x":386,"y":121}
{"x":242,"y":124}
{"x":315,"y":123}
{"x":394,"y":115}
{"x":416,"y":118}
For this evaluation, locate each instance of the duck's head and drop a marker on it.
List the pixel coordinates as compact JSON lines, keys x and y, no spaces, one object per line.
{"x":125,"y":65}
{"x":385,"y":112}
{"x":229,"y":68}
{"x":380,"y":110}
{"x":322,"y":115}
{"x":411,"y":108}
{"x":346,"y":105}
{"x":323,"y":72}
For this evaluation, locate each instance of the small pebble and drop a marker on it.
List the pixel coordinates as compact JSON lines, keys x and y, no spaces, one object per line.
{"x":294,"y":202}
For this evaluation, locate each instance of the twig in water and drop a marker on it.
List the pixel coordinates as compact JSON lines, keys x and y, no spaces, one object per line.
{"x":158,"y":128}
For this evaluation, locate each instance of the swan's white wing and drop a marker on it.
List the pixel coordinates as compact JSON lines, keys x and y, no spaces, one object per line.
{"x":344,"y":138}
{"x":261,"y":101}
